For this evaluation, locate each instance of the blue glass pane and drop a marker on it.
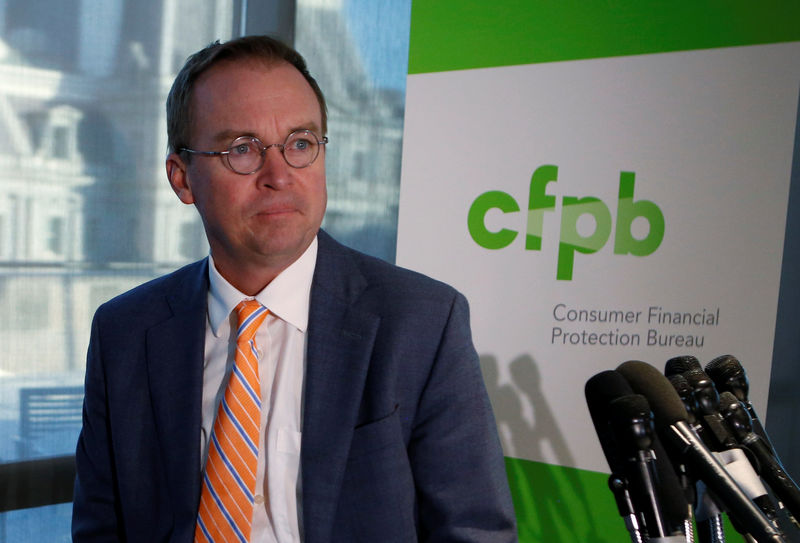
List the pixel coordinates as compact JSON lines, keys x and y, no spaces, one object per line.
{"x":51,"y":524}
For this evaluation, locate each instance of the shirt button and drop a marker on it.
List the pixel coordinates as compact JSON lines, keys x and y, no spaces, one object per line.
{"x":259,"y":499}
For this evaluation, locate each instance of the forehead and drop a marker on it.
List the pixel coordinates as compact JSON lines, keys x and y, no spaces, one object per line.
{"x":253,"y":95}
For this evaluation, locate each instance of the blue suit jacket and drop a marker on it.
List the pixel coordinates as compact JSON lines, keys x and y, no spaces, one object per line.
{"x":398,"y":443}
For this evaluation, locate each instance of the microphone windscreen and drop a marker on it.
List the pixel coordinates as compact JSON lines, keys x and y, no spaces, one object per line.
{"x":600,"y":391}
{"x":680,"y":364}
{"x":680,"y":384}
{"x":724,"y":366}
{"x":663,"y":399}
{"x":728,"y":374}
{"x":609,"y":387}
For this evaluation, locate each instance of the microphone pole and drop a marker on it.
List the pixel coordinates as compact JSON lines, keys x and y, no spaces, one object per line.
{"x":619,"y":488}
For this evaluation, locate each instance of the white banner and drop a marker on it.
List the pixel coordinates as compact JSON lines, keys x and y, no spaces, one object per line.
{"x":598,"y":211}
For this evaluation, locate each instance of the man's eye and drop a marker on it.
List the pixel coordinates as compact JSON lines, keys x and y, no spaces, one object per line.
{"x":300,"y":145}
{"x":241,"y":149}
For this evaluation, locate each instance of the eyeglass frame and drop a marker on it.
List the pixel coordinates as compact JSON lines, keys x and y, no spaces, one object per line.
{"x":262,"y":150}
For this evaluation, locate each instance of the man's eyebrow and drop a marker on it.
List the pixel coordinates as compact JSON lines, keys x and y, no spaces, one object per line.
{"x":309,"y":126}
{"x":229,"y":135}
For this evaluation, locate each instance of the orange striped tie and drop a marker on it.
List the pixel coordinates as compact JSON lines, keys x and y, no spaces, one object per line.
{"x":229,"y":481}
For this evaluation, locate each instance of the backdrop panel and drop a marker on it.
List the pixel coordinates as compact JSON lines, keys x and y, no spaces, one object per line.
{"x":615,"y":207}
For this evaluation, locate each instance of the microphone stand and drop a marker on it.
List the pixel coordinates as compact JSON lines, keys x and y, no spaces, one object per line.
{"x":625,"y":507}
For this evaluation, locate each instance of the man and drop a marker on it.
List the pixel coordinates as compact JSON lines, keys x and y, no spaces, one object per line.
{"x":374,"y":421}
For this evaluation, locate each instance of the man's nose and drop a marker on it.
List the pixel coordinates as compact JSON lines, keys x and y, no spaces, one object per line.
{"x":275,"y":171}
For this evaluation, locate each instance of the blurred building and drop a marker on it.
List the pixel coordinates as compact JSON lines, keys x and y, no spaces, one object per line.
{"x":85,"y":208}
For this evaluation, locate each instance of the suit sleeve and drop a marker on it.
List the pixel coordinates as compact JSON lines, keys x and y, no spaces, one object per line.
{"x":94,"y":512}
{"x":455,"y":451}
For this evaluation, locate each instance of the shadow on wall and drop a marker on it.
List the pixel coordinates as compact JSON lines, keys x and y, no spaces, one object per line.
{"x":552,"y":503}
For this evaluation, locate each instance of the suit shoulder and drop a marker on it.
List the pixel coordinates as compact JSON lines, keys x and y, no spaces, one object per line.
{"x":393,"y":282}
{"x":148,"y":296}
{"x":394,"y":275}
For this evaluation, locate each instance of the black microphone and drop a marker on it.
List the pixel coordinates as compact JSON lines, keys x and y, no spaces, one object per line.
{"x":719,"y":438}
{"x":729,"y":376}
{"x":601,"y":390}
{"x":632,"y":424}
{"x":708,"y":515}
{"x":770,"y":468}
{"x":674,"y":429}
{"x":717,"y":435}
{"x":685,"y":393}
{"x":678,"y":365}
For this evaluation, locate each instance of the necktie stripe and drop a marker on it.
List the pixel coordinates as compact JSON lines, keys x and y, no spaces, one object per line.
{"x":248,"y":440}
{"x":241,"y":411}
{"x":244,"y":374}
{"x":231,"y":440}
{"x":229,"y":481}
{"x":225,"y":504}
{"x":225,"y":517}
{"x":244,"y":423}
{"x":237,"y":462}
{"x":249,"y":320}
{"x":237,"y":476}
{"x":204,"y":530}
{"x":213,"y":521}
{"x":240,"y":397}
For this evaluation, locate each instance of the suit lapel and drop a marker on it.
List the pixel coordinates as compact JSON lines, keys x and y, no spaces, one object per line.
{"x":175,"y":350}
{"x":340,"y":340}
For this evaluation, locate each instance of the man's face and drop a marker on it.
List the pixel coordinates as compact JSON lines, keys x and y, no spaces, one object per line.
{"x":268,"y":218}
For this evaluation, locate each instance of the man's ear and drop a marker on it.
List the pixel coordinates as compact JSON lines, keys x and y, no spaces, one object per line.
{"x":178,"y":178}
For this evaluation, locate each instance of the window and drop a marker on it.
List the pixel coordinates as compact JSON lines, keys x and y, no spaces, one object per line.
{"x":55,"y":235}
{"x":85,"y":209}
{"x":60,"y":142}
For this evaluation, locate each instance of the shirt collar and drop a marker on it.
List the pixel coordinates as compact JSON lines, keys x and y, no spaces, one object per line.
{"x":287,"y":296}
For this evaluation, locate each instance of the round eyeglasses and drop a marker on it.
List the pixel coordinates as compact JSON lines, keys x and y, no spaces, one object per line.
{"x":246,"y":154}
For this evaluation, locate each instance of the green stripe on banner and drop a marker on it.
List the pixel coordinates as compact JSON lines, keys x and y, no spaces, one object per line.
{"x":555,"y":504}
{"x":466,"y":34}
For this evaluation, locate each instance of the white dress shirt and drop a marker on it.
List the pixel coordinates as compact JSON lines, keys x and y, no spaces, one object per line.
{"x":281,"y":362}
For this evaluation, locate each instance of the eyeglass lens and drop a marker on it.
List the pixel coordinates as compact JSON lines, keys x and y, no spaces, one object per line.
{"x":246,"y":154}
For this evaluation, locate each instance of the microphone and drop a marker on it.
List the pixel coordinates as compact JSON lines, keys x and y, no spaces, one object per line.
{"x":672,"y":425}
{"x":769,"y":467}
{"x":632,"y":424}
{"x":708,"y":516}
{"x":719,"y":438}
{"x":729,"y":376}
{"x":716,"y":435}
{"x":679,"y":365}
{"x":686,"y":394}
{"x":601,"y":390}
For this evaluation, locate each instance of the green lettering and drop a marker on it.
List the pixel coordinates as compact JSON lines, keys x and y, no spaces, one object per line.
{"x":571,"y":241}
{"x":627,"y":211}
{"x":477,"y":212}
{"x":538,"y":203}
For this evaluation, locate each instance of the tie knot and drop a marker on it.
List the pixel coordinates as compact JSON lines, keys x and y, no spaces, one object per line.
{"x":251,"y":314}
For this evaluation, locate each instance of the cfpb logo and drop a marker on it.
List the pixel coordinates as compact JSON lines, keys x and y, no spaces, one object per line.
{"x":572,"y":208}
